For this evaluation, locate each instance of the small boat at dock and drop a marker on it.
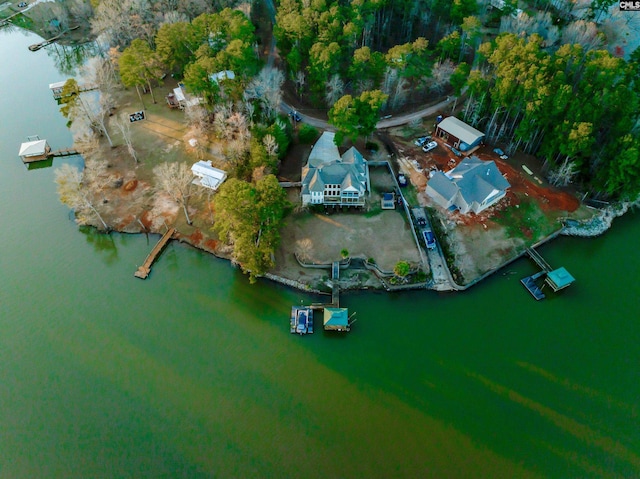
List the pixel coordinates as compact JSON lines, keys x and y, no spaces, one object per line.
{"x":301,"y":320}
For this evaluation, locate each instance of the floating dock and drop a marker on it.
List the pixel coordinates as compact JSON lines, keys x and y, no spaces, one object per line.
{"x":144,"y":270}
{"x":530,"y":283}
{"x":301,"y":320}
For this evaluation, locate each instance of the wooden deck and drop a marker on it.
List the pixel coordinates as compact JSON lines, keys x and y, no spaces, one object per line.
{"x":144,"y":270}
{"x":50,"y":154}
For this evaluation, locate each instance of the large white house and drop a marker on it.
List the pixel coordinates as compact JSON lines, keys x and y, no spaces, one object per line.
{"x":472,"y":186}
{"x":331,"y":179}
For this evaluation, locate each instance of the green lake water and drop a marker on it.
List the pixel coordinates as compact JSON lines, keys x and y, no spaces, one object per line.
{"x":193,"y":373}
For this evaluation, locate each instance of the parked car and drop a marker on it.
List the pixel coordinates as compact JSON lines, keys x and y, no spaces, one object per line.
{"x":402,"y":179}
{"x":295,"y":115}
{"x":429,"y":146}
{"x":421,"y":221}
{"x":22,"y":4}
{"x":421,"y":141}
{"x":429,"y":239}
{"x":500,"y":153}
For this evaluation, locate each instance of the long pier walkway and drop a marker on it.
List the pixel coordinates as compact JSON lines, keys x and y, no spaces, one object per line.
{"x":64,"y":152}
{"x":539,"y":260}
{"x":335,"y":289}
{"x":144,"y":270}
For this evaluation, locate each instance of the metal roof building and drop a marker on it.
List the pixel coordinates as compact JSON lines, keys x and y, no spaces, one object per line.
{"x":207,"y":175}
{"x":458,"y":134}
{"x":336,"y":319}
{"x":559,"y":278}
{"x":34,"y":150}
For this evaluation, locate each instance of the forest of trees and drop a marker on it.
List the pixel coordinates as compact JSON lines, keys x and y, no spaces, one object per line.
{"x":553,"y":90}
{"x":578,"y":109}
{"x":332,"y":48}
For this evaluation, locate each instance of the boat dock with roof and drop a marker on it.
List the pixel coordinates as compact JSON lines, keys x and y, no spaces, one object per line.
{"x":35,"y":149}
{"x":334,"y":317}
{"x":557,"y":279}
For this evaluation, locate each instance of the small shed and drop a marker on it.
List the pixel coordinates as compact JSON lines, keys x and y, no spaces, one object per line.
{"x":458,"y":134}
{"x":177,"y":99}
{"x":559,"y":279}
{"x":34,"y":150}
{"x":208,"y":176}
{"x":336,"y":319}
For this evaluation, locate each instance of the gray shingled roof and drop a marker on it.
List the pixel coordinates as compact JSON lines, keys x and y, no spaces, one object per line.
{"x":473,"y":179}
{"x":324,"y":151}
{"x":443,"y":185}
{"x":326,"y":166}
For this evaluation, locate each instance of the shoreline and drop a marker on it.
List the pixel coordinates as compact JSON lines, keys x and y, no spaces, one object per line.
{"x":596,"y":226}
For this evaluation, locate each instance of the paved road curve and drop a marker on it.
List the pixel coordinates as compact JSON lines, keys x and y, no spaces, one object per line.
{"x":323,"y":124}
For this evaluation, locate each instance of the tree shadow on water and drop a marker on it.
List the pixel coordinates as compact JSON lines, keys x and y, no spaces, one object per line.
{"x":102,"y":242}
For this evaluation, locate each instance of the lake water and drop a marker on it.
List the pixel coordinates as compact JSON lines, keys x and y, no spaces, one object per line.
{"x":193,"y":373}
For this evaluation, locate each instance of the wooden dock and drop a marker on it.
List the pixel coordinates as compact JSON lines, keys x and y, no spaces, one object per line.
{"x":539,"y":260}
{"x":37,"y":46}
{"x":144,"y":270}
{"x":64,"y":152}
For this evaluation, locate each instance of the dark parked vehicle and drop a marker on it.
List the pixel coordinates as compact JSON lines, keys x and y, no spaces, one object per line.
{"x":295,"y":115}
{"x":422,"y":140}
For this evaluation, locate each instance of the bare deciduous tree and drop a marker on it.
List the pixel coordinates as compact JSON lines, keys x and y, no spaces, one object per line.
{"x":440,"y":75}
{"x":400,"y":93}
{"x":583,"y":33}
{"x":197,"y":118}
{"x":524,"y":25}
{"x":100,"y":72}
{"x":79,"y":194}
{"x":270,"y":145}
{"x":123,"y":125}
{"x":222,"y":112}
{"x":267,"y":88}
{"x":301,"y":79}
{"x":334,"y":90}
{"x":175,"y":180}
{"x":80,"y":9}
{"x":564,"y":174}
{"x":121,"y":21}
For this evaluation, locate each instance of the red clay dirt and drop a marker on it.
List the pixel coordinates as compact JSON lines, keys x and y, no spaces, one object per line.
{"x":548,"y":198}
